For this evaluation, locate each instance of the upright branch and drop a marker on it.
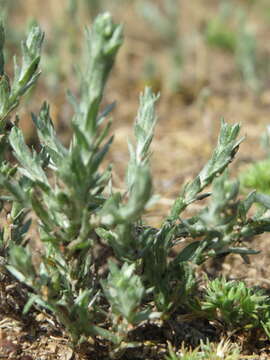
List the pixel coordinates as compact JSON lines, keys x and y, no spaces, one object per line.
{"x":103,"y":40}
{"x":25,"y":74}
{"x":223,"y":154}
{"x":144,"y":131}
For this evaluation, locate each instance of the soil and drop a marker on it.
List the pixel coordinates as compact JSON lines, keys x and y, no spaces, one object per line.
{"x":189,"y":120}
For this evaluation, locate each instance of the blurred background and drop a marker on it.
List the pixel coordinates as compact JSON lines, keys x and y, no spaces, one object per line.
{"x":208,"y":58}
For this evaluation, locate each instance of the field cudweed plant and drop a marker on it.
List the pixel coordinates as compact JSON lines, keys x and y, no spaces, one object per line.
{"x":103,"y":272}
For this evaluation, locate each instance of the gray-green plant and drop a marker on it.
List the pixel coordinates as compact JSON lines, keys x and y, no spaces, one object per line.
{"x":104,"y":271}
{"x":246,"y":54}
{"x":25,"y":74}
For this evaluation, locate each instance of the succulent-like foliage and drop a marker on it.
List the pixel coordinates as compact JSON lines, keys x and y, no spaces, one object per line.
{"x":235,"y":304}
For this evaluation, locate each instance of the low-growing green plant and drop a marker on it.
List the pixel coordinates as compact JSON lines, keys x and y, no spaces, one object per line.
{"x":236,"y":305}
{"x":103,"y":271}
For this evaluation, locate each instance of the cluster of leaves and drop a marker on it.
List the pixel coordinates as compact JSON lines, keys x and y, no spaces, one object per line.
{"x":83,"y":222}
{"x":236,"y":305}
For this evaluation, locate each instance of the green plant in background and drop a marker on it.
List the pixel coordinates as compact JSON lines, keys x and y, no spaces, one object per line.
{"x":237,"y":39}
{"x":218,"y":33}
{"x":257,"y":175}
{"x":103,"y":271}
{"x":166,"y":24}
{"x":246,"y":54}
